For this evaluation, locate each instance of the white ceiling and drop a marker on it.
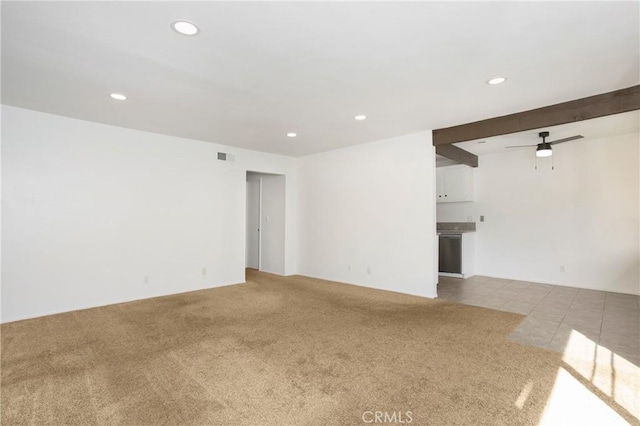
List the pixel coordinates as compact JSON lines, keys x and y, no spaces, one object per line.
{"x":260,"y":70}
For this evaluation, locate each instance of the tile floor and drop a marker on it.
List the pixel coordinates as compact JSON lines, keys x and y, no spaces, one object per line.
{"x":553,"y":312}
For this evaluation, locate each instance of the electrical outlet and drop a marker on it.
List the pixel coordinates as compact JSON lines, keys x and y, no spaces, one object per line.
{"x":369,"y":270}
{"x":482,"y":218}
{"x":349,"y":268}
{"x":204,"y":271}
{"x":561,"y":268}
{"x":146,"y":279}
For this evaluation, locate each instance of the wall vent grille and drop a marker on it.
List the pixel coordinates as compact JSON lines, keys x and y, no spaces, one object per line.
{"x":223,"y":156}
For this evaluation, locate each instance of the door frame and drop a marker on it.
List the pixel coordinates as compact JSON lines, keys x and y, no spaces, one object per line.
{"x":270,"y":256}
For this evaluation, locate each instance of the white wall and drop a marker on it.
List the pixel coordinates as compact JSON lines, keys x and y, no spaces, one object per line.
{"x":90,"y":210}
{"x":370,"y":206}
{"x":584,"y":215}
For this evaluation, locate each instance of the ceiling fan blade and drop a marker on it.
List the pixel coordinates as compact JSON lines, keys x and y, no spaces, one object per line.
{"x":520,"y":146}
{"x":570,"y":138}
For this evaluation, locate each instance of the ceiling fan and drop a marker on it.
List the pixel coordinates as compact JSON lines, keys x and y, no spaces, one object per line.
{"x":544,"y":148}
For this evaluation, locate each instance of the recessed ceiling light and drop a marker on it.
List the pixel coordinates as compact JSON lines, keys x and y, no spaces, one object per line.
{"x":118,"y":96}
{"x":496,"y":80}
{"x":360,"y":117}
{"x":292,"y":135}
{"x":482,"y":141}
{"x":185,"y":28}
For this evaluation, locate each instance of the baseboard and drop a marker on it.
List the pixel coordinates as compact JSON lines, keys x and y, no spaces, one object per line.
{"x":85,"y":307}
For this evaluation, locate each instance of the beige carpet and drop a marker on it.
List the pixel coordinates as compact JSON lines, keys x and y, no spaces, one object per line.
{"x":279,"y":351}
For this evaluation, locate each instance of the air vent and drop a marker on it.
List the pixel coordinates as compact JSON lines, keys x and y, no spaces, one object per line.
{"x":223,"y":156}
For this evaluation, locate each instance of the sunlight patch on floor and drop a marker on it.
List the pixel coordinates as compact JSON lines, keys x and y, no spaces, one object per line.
{"x":522,"y":398}
{"x":610,"y":373}
{"x":571,"y":403}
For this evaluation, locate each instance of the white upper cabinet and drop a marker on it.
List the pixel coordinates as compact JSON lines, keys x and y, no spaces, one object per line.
{"x":454,"y":184}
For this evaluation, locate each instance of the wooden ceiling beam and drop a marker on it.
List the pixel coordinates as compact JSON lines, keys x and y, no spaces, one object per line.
{"x":452,"y":152}
{"x":616,"y":102}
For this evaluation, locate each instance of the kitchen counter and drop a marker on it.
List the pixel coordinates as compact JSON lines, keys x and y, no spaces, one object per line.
{"x":452,"y":232}
{"x":444,"y":228}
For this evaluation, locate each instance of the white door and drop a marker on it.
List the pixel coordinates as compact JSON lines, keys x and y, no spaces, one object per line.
{"x":253,"y":224}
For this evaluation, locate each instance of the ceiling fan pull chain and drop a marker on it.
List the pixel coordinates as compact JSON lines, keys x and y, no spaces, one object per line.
{"x":536,"y":162}
{"x":552,"y":164}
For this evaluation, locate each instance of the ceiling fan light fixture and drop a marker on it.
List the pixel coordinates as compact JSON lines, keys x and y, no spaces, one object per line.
{"x":544,"y":150}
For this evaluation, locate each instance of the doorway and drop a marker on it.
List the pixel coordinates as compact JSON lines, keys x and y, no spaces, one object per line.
{"x":253,"y":222}
{"x":265,"y":227}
